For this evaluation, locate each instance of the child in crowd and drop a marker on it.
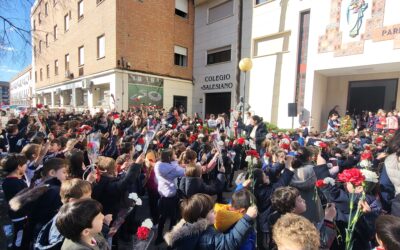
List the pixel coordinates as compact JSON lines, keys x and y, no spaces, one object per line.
{"x":293,"y":231}
{"x":49,"y":237}
{"x":226,"y":216}
{"x":13,"y":167}
{"x":388,"y":232}
{"x":196,"y":230}
{"x":81,"y":223}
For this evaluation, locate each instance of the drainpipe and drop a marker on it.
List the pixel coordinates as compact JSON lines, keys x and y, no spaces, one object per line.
{"x":239,"y":51}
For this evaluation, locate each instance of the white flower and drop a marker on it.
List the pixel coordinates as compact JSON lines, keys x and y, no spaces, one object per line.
{"x":248,"y":159}
{"x":133,"y":196}
{"x":255,"y":161}
{"x":370,"y":176}
{"x":220,"y":143}
{"x":147,"y":223}
{"x":329,"y":180}
{"x":365,"y":164}
{"x":138,"y":147}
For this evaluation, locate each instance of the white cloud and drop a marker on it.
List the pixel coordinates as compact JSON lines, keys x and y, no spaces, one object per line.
{"x":8,"y":70}
{"x":6,"y":48}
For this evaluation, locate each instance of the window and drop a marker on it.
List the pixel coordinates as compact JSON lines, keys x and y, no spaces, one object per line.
{"x":66,"y":22}
{"x":40,"y":46}
{"x":219,"y":55}
{"x":55,"y":32}
{"x":56,"y":67}
{"x":80,"y":9}
{"x":221,"y":11}
{"x":34,"y":25}
{"x":40,"y":17}
{"x":67,"y":62}
{"x":35,"y":76}
{"x":41,"y":75}
{"x":81,"y":57}
{"x":34,"y":51}
{"x":261,"y":1}
{"x":47,"y":40}
{"x":46,"y":8}
{"x":48,"y":71}
{"x":180,"y":56}
{"x":101,"y":44}
{"x":181,"y":8}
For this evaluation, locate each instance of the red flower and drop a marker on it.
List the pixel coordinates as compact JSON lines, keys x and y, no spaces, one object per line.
{"x":367,"y":147}
{"x":90,"y":145}
{"x":160,"y":145}
{"x":285,"y":146}
{"x":267,"y":154}
{"x":140,"y":140}
{"x":352,"y":175}
{"x":143,"y":233}
{"x":116,"y":116}
{"x":39,"y":105}
{"x":320,"y":183}
{"x":240,"y":141}
{"x":252,"y":153}
{"x":323,"y":145}
{"x":366,"y":156}
{"x":192,"y":138}
{"x":173,"y":126}
{"x":378,"y":140}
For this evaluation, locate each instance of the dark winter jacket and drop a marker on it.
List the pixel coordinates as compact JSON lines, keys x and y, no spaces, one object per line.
{"x":110,"y":191}
{"x":49,"y":237}
{"x":193,"y":185}
{"x":201,"y":235}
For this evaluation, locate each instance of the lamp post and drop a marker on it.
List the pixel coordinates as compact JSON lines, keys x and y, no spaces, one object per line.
{"x":245,"y":65}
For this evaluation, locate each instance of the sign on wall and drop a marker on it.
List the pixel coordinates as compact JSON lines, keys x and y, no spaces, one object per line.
{"x":145,"y":90}
{"x":217,"y":82}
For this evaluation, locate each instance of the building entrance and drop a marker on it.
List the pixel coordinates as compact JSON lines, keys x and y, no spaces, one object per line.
{"x":217,"y":103}
{"x":372,"y":95}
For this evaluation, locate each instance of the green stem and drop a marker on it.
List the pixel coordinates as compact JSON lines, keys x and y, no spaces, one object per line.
{"x":349,"y":226}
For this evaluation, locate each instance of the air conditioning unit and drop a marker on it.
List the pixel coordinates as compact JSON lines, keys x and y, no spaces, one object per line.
{"x":87,"y":84}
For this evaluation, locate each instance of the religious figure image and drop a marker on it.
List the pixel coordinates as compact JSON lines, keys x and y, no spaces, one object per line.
{"x":355,"y":16}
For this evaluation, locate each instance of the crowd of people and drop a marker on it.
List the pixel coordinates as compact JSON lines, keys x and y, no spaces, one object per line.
{"x":74,"y":181}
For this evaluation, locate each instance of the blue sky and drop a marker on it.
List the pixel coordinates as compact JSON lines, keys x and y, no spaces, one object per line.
{"x":15,"y":54}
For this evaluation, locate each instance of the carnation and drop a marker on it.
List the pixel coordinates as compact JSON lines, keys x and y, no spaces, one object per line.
{"x":329,"y":180}
{"x":370,"y":176}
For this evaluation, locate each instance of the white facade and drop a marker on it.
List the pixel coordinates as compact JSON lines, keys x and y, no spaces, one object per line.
{"x":94,"y":92}
{"x":214,"y":30}
{"x":22,"y":88}
{"x":335,"y":56}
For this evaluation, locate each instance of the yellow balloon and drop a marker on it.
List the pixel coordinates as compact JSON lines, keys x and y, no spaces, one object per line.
{"x":245,"y":64}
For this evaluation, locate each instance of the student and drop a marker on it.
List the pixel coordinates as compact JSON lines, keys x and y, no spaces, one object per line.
{"x":49,"y":237}
{"x":80,"y":222}
{"x":387,"y":232}
{"x":292,"y":231}
{"x":226,"y":216}
{"x":192,"y":183}
{"x":13,"y":167}
{"x":166,"y":171}
{"x":196,"y":230}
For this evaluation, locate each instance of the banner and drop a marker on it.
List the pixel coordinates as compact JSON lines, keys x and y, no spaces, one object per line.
{"x":145,"y":90}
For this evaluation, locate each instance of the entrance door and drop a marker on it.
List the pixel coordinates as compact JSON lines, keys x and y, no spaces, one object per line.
{"x":217,"y":103}
{"x":372,"y":95}
{"x":180,"y":102}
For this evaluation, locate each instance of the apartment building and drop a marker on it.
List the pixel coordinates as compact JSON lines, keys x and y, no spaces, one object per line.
{"x":4,"y":93}
{"x":22,"y":88}
{"x":113,"y":54}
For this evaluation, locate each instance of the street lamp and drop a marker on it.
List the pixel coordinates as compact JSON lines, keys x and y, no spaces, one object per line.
{"x":245,"y":65}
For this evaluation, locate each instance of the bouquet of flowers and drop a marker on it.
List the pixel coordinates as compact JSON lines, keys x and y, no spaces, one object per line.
{"x":355,"y":177}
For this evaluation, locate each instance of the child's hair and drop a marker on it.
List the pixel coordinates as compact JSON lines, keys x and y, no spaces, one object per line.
{"x":258,"y":177}
{"x":56,"y":141}
{"x":242,"y":199}
{"x":31,"y":149}
{"x":196,"y":207}
{"x":74,"y":188}
{"x":76,"y":158}
{"x":193,"y":170}
{"x":388,"y":231}
{"x":11,"y":163}
{"x":11,"y":128}
{"x":187,"y":156}
{"x":106,"y":164}
{"x":303,"y":156}
{"x":297,"y":231}
{"x":76,"y":216}
{"x":283,"y":199}
{"x":166,"y":155}
{"x":53,"y":164}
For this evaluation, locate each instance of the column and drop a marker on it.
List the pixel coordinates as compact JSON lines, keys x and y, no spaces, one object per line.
{"x":73,"y":96}
{"x":52,"y":99}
